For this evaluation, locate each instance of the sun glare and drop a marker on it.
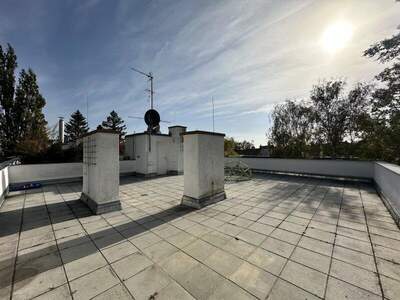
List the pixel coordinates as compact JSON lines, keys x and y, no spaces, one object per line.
{"x":336,"y":36}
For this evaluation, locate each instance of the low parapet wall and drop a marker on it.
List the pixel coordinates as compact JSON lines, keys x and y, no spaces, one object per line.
{"x":319,"y":167}
{"x":57,"y":172}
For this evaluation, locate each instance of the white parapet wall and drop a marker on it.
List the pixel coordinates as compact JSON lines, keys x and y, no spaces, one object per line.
{"x":321,"y":167}
{"x":57,"y":172}
{"x":387,"y":181}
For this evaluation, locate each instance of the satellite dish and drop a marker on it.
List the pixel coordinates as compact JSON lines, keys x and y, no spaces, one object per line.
{"x":152,"y":117}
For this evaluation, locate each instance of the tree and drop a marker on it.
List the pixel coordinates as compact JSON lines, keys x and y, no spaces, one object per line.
{"x":385,"y":123}
{"x":76,"y":127}
{"x":229,"y":147}
{"x":30,"y":124}
{"x":115,"y":123}
{"x":8,"y":64}
{"x":331,"y":113}
{"x":22,"y":122}
{"x":291,"y":132}
{"x":244,"y":145}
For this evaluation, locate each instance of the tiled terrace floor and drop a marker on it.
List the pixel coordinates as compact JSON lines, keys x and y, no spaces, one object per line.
{"x":274,"y":238}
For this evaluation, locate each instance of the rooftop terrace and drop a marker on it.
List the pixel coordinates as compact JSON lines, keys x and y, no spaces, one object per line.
{"x":274,"y":237}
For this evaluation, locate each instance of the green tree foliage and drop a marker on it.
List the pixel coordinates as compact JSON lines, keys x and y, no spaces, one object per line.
{"x":385,"y":122}
{"x":229,"y":147}
{"x":115,"y":123}
{"x":22,"y":122}
{"x":244,"y":145}
{"x":291,"y":130}
{"x":324,"y":125}
{"x":76,"y":127}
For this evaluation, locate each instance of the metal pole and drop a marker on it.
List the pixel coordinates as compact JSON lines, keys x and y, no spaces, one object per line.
{"x":151,"y":90}
{"x":213,"y":119}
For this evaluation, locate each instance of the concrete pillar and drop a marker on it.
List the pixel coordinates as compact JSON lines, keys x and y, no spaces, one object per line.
{"x":203,"y":168}
{"x":177,"y":148}
{"x":100,"y":189}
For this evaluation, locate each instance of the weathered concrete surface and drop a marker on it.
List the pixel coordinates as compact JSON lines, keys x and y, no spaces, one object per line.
{"x":273,"y":237}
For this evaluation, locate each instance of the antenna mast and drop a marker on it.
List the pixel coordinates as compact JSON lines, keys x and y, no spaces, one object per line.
{"x":150,"y":77}
{"x":213,"y":119}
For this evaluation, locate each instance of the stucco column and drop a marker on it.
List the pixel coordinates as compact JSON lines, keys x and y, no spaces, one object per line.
{"x":203,"y":168}
{"x":100,"y":190}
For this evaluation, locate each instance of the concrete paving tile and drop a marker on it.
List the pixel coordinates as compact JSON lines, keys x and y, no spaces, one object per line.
{"x":59,"y":293}
{"x":145,"y":240}
{"x":353,"y":225}
{"x":292,"y":227}
{"x":385,"y":232}
{"x":354,"y":257}
{"x":254,"y":280}
{"x":216,"y":238}
{"x":108,"y":240}
{"x":304,"y":277}
{"x":261,"y":228}
{"x":230,"y":291}
{"x":320,"y":235}
{"x":354,"y":244}
{"x":160,"y":251}
{"x":283,"y":290}
{"x":286,"y":236}
{"x":388,"y":268}
{"x":239,"y":248}
{"x":251,"y":237}
{"x":74,"y":260}
{"x":322,"y":226}
{"x":131,"y":265}
{"x":38,"y":276}
{"x":340,"y":290}
{"x":200,"y":250}
{"x":385,"y":242}
{"x":198,"y":230}
{"x":311,"y":259}
{"x":316,"y":245}
{"x":201,"y":282}
{"x":119,"y":251}
{"x":387,"y":253}
{"x":35,"y":252}
{"x":230,"y":229}
{"x":173,"y":291}
{"x":178,"y":264}
{"x":297,"y":220}
{"x":148,"y":283}
{"x":269,"y":221}
{"x":278,"y":247}
{"x":391,"y":288}
{"x":355,"y":275}
{"x":181,"y":240}
{"x":351,"y":233}
{"x":267,"y":261}
{"x":223,"y":262}
{"x":6,"y":282}
{"x":92,"y":284}
{"x":36,"y":240}
{"x":116,"y":292}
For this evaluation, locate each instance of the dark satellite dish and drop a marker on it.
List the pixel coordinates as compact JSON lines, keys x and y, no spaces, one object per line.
{"x":152,"y":119}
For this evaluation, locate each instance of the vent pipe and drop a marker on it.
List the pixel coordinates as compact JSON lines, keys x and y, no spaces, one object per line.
{"x":61,"y":130}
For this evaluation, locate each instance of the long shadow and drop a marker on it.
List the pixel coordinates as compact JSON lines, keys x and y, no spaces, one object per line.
{"x":39,"y":261}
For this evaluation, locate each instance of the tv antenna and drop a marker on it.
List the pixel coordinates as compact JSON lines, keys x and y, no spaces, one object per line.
{"x":150,"y":77}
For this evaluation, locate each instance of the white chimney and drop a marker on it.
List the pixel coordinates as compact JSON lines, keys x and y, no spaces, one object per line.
{"x":61,"y":130}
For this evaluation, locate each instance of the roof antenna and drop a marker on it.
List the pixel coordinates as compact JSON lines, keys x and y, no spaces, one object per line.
{"x":150,"y":77}
{"x":87,"y":110}
{"x":213,"y":118}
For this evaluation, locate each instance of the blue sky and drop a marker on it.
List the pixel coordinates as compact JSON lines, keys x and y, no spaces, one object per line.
{"x":247,"y":55}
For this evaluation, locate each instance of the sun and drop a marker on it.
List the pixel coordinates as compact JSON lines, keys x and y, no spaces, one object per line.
{"x":337,"y":36}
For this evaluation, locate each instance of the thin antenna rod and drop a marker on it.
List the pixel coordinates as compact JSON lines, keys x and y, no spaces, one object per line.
{"x":87,"y":109}
{"x":150,"y":76}
{"x":213,"y":118}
